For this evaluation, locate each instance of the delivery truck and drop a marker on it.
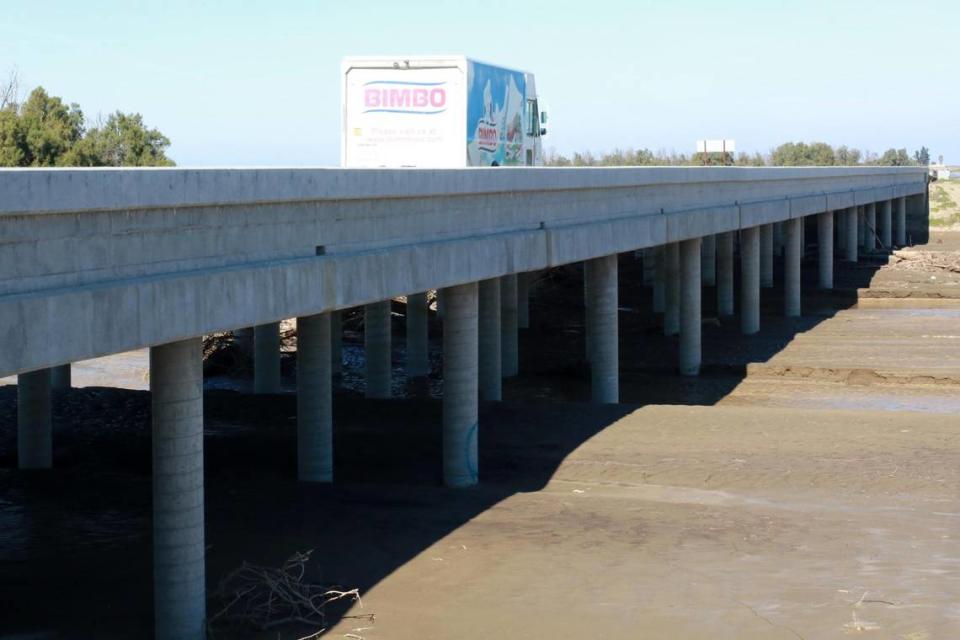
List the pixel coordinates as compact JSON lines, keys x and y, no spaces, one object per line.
{"x":447,"y":111}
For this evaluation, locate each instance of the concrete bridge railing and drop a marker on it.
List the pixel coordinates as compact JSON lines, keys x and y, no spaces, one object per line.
{"x":94,"y":262}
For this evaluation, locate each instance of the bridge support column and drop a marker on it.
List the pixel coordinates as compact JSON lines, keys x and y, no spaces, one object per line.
{"x":659,"y":279}
{"x":314,"y":399}
{"x":840,"y":225}
{"x":491,"y":384}
{"x":850,"y":234}
{"x":509,"y":348}
{"x":708,"y":261}
{"x":34,"y":420}
{"x":648,"y":267}
{"x":176,"y":385}
{"x":766,"y":256}
{"x":778,"y":239}
{"x":377,"y":342}
{"x":791,"y":258}
{"x":587,"y":332}
{"x":725,"y":274}
{"x":418,"y":361}
{"x":870,"y":233}
{"x":690,"y":311}
{"x":523,"y":299}
{"x":825,"y":248}
{"x":266,"y":358}
{"x":803,"y":238}
{"x":603,"y":326}
{"x":244,"y":339}
{"x":885,"y":223}
{"x":900,"y":231}
{"x":460,"y":411}
{"x":750,"y":280}
{"x":861,"y":226}
{"x":671,"y":286}
{"x":60,"y":377}
{"x":336,"y":343}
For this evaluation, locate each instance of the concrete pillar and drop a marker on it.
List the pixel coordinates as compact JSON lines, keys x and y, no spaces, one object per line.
{"x":509,"y":348}
{"x":587,"y":333}
{"x":870,"y":224}
{"x":841,"y":226}
{"x":460,"y":412}
{"x":648,"y":267}
{"x":244,"y":339}
{"x":825,"y":248}
{"x":690,"y":312}
{"x":336,"y":342}
{"x":60,"y":377}
{"x":34,"y":420}
{"x":766,"y":256}
{"x":659,"y":280}
{"x":778,"y":239}
{"x":900,"y":229}
{"x":885,"y":224}
{"x":791,"y":268}
{"x":803,"y":238}
{"x":725,"y":274}
{"x":523,"y":299}
{"x":440,"y":302}
{"x":176,"y":386}
{"x":708,"y":261}
{"x":377,"y":344}
{"x":314,"y":399}
{"x":861,"y":226}
{"x":418,"y":361}
{"x":671,"y":287}
{"x":491,"y":386}
{"x":850,"y":235}
{"x":266,"y":358}
{"x":750,"y":280}
{"x":603,"y":325}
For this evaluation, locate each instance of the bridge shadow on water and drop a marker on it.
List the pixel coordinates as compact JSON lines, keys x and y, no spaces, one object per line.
{"x":75,"y":557}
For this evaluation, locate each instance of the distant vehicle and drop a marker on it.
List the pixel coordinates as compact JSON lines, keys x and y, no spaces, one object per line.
{"x":438,"y":112}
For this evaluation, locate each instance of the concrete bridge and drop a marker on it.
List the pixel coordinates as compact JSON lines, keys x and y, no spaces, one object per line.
{"x":96,"y":262}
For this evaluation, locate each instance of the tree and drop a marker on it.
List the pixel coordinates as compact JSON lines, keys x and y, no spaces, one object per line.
{"x":43,"y":131}
{"x":50,"y":129}
{"x":123,"y":141}
{"x":801,"y":154}
{"x":894,"y":158}
{"x":922,"y":156}
{"x":847,"y":157}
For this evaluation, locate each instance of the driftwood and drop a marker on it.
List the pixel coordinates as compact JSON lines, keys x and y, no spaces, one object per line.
{"x":927,"y":260}
{"x":264,"y":598}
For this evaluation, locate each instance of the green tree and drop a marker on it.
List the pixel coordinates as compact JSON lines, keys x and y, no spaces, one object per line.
{"x":922,"y":156}
{"x":894,"y":158}
{"x":43,"y":131}
{"x":847,"y":157}
{"x":50,"y":128}
{"x":123,"y":141}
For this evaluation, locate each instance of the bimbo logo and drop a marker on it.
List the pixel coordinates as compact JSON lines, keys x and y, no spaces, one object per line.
{"x":389,"y":96}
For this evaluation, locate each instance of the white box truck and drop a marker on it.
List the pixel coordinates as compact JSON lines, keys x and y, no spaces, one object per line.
{"x":447,"y":111}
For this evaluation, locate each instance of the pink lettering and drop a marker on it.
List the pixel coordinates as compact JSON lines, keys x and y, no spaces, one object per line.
{"x":399,"y":98}
{"x":408,"y":97}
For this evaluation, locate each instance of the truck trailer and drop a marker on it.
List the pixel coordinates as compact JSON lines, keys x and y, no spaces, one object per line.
{"x":437,"y":112}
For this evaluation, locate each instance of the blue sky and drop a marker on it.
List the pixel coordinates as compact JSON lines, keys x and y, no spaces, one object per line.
{"x":257,"y":83}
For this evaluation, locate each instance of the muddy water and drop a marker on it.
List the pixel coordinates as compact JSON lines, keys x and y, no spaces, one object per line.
{"x":814,"y":507}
